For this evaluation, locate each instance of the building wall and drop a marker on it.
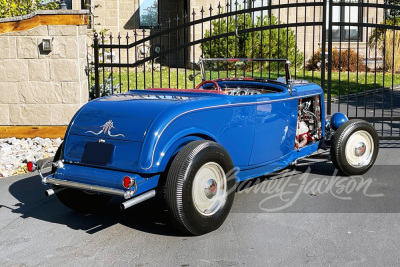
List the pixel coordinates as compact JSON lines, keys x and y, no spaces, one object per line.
{"x":39,"y":88}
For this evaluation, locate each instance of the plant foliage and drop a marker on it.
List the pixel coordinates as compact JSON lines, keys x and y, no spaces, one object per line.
{"x":346,"y":60}
{"x":12,"y":8}
{"x":274,"y":43}
{"x":388,"y":43}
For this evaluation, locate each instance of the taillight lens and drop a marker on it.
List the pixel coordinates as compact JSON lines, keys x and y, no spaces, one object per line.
{"x":128,"y":182}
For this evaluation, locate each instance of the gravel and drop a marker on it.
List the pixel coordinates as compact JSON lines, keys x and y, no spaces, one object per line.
{"x":15,"y":153}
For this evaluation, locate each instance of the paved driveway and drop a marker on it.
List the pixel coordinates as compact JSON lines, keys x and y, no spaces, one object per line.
{"x":289,"y":218}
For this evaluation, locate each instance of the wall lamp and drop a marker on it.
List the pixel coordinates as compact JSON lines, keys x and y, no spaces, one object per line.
{"x":47,"y":45}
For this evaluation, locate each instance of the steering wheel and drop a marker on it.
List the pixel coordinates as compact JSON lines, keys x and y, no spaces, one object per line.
{"x":208,"y":81}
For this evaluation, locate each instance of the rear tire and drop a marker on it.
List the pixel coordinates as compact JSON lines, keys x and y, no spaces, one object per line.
{"x":355,"y":147}
{"x":200,"y":187}
{"x":78,"y":200}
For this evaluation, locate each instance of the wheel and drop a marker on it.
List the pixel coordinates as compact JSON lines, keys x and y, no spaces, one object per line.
{"x":78,"y":200}
{"x":208,"y":81}
{"x":200,"y":187}
{"x":354,"y":147}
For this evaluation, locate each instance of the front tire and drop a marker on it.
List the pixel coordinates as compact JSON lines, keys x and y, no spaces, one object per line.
{"x":355,"y":147}
{"x":78,"y":200}
{"x":200,"y":187}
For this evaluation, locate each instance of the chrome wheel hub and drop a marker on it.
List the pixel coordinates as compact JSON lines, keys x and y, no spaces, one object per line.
{"x":359,"y":149}
{"x":209,"y":188}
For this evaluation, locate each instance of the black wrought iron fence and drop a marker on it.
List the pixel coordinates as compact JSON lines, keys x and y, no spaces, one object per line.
{"x":351,"y":48}
{"x":365,"y":39}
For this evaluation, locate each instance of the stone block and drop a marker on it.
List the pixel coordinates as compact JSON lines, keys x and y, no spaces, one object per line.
{"x":8,"y":47}
{"x":14,"y":70}
{"x":84,"y":92}
{"x":82,"y":46}
{"x":39,"y":70}
{"x":4,"y":114}
{"x":62,"y":114}
{"x":62,"y":30}
{"x":63,"y":47}
{"x":112,"y":14}
{"x":76,"y":4}
{"x":37,"y":31}
{"x":64,"y":70}
{"x":27,"y":47}
{"x":82,"y":66}
{"x":32,"y":114}
{"x":108,"y":22}
{"x":83,"y":30}
{"x":70,"y":92}
{"x":39,"y":92}
{"x":109,"y":5}
{"x":9,"y":93}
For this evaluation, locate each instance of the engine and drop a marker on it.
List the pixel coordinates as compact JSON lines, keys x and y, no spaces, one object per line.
{"x":243,"y":91}
{"x":308,"y":121}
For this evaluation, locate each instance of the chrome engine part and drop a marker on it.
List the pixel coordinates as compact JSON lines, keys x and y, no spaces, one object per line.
{"x":308,"y":121}
{"x":243,"y":91}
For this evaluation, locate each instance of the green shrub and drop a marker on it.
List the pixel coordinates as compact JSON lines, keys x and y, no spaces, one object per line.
{"x":12,"y":8}
{"x":276,"y":43}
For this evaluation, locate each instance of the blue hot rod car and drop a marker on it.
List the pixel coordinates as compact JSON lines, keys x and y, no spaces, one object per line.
{"x":190,"y":144}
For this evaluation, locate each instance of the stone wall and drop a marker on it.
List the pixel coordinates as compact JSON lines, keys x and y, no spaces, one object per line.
{"x":39,"y":88}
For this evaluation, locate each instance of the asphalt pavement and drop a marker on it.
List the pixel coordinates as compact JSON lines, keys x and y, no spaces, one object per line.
{"x":304,"y":215}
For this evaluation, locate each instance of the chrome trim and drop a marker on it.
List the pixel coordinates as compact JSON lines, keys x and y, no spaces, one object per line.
{"x":138,"y":199}
{"x":52,"y":191}
{"x":96,"y":188}
{"x":218,"y":106}
{"x":58,"y":164}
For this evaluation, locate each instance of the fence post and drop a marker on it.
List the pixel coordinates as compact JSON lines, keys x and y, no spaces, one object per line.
{"x":329,"y":81}
{"x":96,"y":64}
{"x":323,"y":44}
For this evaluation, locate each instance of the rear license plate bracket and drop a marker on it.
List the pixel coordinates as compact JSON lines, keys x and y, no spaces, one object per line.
{"x":98,"y":153}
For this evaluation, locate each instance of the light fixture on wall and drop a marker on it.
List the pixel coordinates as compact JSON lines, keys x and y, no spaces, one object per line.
{"x":47,"y":45}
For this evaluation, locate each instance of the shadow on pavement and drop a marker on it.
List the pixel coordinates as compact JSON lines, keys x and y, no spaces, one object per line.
{"x":149,"y":216}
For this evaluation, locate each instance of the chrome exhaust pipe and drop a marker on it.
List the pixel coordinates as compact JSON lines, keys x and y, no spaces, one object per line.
{"x":52,"y":191}
{"x":138,"y":199}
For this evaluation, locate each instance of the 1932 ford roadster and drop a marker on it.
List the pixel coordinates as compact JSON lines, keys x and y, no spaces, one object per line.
{"x":190,"y":144}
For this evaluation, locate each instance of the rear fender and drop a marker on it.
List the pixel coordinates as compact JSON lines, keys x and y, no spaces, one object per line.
{"x":167,"y":148}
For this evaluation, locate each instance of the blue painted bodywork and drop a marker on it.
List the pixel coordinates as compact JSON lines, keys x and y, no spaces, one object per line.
{"x":151,"y":126}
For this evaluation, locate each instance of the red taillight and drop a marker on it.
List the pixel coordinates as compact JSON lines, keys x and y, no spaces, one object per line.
{"x":128,"y":182}
{"x":31,"y":166}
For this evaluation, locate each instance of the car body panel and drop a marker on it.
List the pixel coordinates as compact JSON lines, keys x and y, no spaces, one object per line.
{"x":147,"y":128}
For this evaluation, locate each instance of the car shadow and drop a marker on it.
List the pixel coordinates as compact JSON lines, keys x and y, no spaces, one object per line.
{"x":149,"y":216}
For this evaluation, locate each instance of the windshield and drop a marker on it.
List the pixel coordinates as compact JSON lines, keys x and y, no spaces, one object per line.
{"x":268,"y":69}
